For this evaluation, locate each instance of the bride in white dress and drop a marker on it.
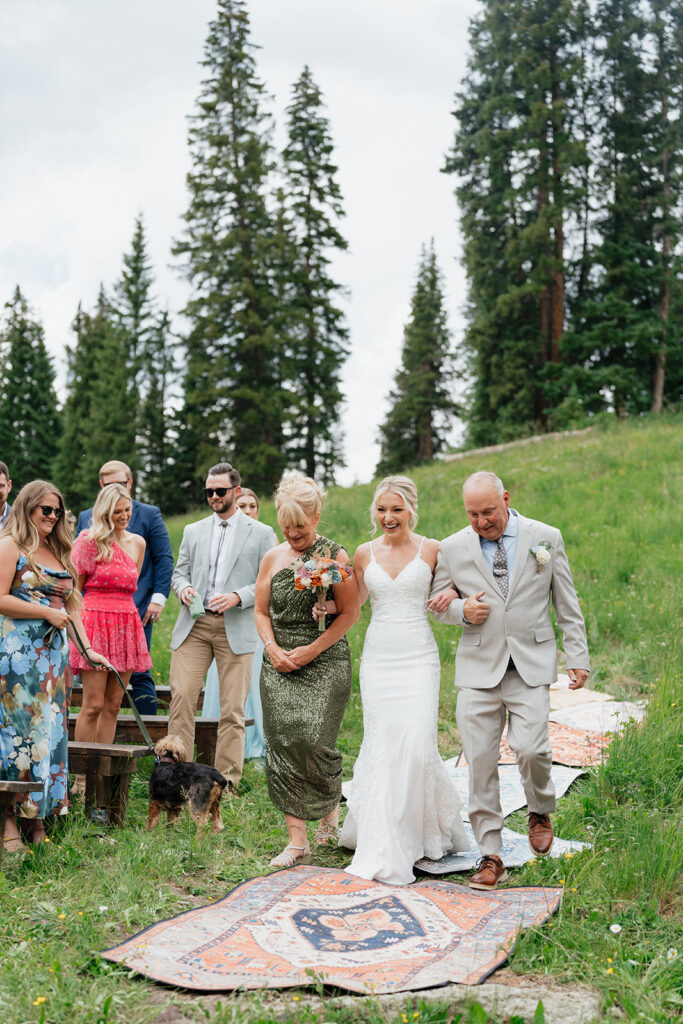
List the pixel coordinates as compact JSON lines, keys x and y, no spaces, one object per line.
{"x":402,"y":806}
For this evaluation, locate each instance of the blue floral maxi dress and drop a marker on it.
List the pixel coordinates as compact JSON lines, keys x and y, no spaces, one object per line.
{"x":33,"y":697}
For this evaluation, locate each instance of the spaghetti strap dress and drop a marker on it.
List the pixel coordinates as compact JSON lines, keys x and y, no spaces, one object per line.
{"x":33,"y":694}
{"x":303,"y":710}
{"x":403,"y":806}
{"x":110,"y":618}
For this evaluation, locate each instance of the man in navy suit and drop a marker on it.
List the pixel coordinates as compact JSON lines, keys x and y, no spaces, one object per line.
{"x":5,"y":488}
{"x":154,"y":582}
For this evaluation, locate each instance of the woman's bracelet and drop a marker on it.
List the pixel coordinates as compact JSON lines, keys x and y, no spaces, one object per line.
{"x":268,"y":644}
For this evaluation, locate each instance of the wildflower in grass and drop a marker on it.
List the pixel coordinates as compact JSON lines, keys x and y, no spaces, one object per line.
{"x":615,"y":929}
{"x":39,"y":1000}
{"x":296,"y":998}
{"x":103,"y":909}
{"x":61,"y":916}
{"x":610,"y":970}
{"x":671,"y":955}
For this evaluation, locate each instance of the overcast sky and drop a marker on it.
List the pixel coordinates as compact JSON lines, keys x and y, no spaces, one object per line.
{"x":94,"y":99}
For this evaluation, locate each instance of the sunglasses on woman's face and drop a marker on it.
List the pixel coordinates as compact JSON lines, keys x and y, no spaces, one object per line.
{"x":220,"y":492}
{"x":48,"y":510}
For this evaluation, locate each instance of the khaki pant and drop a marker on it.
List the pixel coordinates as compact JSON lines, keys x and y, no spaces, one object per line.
{"x":189,"y":665}
{"x":481,"y":718}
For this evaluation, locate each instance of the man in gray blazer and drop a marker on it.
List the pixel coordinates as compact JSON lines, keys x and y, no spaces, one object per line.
{"x":496,"y":580}
{"x":214,"y":580}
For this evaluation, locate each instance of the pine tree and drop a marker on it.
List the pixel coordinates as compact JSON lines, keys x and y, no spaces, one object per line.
{"x":151,"y":371}
{"x":30,"y":422}
{"x":99,"y":411}
{"x":518,"y":155}
{"x":157,"y":427}
{"x":625,"y":337}
{"x":317,"y":340}
{"x":233,"y":402}
{"x":415,"y":428}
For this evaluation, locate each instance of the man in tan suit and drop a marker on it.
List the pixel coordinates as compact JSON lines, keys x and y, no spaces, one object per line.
{"x":214,"y":580}
{"x":496,"y":580}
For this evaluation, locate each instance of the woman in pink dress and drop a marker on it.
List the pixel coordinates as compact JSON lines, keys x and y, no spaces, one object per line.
{"x":108,"y":560}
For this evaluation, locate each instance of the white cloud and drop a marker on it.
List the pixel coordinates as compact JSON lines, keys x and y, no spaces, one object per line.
{"x":93,"y":130}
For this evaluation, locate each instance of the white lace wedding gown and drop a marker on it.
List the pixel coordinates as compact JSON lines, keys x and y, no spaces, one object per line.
{"x":402,"y":806}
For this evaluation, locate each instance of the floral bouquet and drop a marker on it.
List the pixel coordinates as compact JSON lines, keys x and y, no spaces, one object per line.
{"x":317,"y":574}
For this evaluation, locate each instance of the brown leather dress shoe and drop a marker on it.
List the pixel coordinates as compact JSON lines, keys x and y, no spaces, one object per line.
{"x":540,"y":833}
{"x":490,"y":871}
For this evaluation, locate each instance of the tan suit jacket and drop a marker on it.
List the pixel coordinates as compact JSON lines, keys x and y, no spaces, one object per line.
{"x":520,"y":625}
{"x":251,"y":542}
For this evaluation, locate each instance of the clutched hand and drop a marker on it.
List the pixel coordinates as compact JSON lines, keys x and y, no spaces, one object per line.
{"x":301,"y":656}
{"x":99,"y":662}
{"x":280,"y":660}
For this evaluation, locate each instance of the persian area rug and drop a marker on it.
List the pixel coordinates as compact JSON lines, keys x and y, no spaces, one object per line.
{"x":601,"y":718}
{"x":562,"y":697}
{"x":512,"y":795}
{"x":514,"y":853}
{"x":574,"y":747}
{"x":305,"y":924}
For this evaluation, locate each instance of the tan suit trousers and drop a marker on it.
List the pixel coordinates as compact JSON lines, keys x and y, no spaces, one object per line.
{"x":189,"y":664}
{"x":481,"y":717}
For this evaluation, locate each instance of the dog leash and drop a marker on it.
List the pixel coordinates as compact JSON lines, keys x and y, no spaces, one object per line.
{"x":48,"y":639}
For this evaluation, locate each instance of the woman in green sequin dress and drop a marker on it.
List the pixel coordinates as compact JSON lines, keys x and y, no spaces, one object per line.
{"x":306,"y":676}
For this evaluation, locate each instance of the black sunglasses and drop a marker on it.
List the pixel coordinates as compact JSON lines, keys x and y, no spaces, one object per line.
{"x":48,"y":510}
{"x":220,"y":492}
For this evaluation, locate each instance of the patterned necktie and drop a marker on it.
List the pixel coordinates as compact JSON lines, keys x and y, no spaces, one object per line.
{"x":500,"y":567}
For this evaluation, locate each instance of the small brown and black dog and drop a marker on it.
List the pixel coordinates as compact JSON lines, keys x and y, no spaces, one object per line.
{"x":175,"y":782}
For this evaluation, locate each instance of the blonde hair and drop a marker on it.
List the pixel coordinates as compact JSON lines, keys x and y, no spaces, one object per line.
{"x":297,"y":497}
{"x":115,"y":466}
{"x":247,"y":492}
{"x":22,"y":530}
{"x":406,"y":490}
{"x":102,"y":527}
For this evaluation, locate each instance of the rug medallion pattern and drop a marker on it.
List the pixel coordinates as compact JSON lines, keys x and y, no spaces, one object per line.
{"x":306,"y":923}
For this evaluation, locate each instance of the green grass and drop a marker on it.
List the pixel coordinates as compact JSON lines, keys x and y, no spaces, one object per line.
{"x":616,"y":495}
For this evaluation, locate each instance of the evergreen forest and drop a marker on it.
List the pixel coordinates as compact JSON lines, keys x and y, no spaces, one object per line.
{"x":566,"y":169}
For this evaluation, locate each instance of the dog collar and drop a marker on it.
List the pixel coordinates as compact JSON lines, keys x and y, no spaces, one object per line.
{"x":169,"y":760}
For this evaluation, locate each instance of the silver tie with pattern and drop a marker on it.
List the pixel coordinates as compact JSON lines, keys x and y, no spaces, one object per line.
{"x":500,"y":567}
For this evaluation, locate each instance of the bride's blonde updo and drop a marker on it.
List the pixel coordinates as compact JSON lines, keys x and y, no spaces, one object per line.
{"x":406,"y":490}
{"x":297,"y":497}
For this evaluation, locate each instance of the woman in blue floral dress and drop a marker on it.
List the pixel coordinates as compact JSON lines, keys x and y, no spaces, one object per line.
{"x":37,"y":600}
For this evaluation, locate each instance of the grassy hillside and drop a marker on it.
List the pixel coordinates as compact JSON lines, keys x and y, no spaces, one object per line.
{"x":616,"y":495}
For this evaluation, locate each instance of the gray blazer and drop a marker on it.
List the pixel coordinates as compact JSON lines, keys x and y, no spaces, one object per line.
{"x":249,"y":544}
{"x":519,"y":626}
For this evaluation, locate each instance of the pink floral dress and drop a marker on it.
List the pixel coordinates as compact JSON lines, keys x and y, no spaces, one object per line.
{"x":109,"y":615}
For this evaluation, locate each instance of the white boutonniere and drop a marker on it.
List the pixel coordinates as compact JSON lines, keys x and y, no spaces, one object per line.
{"x":541,"y":553}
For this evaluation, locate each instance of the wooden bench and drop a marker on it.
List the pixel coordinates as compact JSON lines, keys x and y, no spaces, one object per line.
{"x":163,"y":696}
{"x":107,"y":769}
{"x":8,"y":794}
{"x":128,"y":731}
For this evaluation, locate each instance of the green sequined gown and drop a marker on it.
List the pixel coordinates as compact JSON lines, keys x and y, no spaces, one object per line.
{"x":303,"y":710}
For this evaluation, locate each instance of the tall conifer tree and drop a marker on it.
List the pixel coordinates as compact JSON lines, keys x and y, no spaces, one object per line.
{"x":151,"y":371}
{"x":99,"y":411}
{"x":232,"y":390}
{"x":30,"y":422}
{"x":422,"y":405}
{"x":518,"y":158}
{"x":317,"y":336}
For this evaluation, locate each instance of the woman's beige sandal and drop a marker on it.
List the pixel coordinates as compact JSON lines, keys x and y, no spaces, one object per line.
{"x":289,"y":856}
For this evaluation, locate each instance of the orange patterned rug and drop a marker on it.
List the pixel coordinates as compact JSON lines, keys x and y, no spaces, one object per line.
{"x":574,"y":747}
{"x":298,"y":926}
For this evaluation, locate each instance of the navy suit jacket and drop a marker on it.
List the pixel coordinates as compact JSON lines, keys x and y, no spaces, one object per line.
{"x":157,"y":567}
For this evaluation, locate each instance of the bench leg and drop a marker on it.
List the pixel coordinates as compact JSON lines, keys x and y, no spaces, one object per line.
{"x":119,"y":797}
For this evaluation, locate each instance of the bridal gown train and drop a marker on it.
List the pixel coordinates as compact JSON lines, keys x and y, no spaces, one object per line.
{"x":403,"y":805}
